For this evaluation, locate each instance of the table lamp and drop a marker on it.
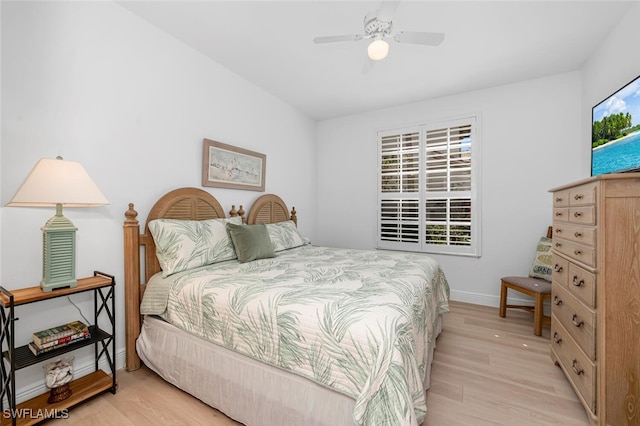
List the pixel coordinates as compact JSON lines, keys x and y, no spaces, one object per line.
{"x":57,"y":182}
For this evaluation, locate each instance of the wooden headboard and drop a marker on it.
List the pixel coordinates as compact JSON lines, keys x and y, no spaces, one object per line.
{"x":270,"y":208}
{"x":186,"y":204}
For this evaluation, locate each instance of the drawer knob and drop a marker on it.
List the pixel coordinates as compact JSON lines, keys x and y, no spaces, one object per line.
{"x":558,"y":199}
{"x":576,"y":282}
{"x":578,"y":234}
{"x":557,"y":301}
{"x":578,"y":197}
{"x":574,"y":319}
{"x":577,"y":214}
{"x":558,"y":230}
{"x":558,"y":214}
{"x":574,"y":366}
{"x":558,"y":245}
{"x":556,"y":338}
{"x":557,"y":268}
{"x":577,"y":252}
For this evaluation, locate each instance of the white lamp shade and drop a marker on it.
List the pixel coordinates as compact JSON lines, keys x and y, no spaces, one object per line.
{"x":57,"y":181}
{"x":378,"y":49}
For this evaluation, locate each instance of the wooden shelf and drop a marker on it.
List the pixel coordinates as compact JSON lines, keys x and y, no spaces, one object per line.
{"x":38,"y":409}
{"x":24,"y":356}
{"x":34,"y":294}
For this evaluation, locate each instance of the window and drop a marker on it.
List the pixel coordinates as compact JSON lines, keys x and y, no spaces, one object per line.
{"x":428,"y":184}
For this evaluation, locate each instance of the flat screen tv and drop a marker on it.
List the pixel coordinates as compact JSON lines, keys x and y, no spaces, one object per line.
{"x":615,"y":132}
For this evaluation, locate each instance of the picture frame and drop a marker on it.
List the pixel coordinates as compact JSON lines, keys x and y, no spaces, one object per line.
{"x":228,"y":166}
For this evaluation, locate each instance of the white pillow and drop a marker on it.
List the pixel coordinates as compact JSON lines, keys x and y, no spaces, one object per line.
{"x":285,"y":235}
{"x":187,"y":244}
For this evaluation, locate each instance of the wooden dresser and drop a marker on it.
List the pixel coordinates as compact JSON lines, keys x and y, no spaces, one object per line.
{"x":595,"y":320}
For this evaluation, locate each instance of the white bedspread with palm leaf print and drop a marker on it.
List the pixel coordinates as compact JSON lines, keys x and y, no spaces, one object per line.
{"x":360,"y":322}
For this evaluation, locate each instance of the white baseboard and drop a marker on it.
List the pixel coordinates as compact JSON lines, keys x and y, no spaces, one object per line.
{"x":492,"y":300}
{"x":475,"y":298}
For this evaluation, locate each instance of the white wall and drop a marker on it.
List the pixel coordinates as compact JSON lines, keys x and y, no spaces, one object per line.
{"x":614,"y":64}
{"x":94,"y":83}
{"x":530,"y":141}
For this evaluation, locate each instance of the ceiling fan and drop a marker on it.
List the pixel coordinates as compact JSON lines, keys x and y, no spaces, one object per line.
{"x":378,"y":27}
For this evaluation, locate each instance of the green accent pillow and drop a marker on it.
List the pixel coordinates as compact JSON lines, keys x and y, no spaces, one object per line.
{"x":251,"y":242}
{"x":542,"y":267}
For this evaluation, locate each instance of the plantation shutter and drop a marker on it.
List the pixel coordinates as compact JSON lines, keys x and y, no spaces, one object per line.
{"x":427,"y":198}
{"x":400,"y":160}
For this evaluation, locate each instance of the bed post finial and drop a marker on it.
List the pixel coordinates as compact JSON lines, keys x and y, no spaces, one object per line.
{"x":241,"y":214}
{"x":233,"y":212}
{"x":131,"y":215}
{"x":294,"y":218}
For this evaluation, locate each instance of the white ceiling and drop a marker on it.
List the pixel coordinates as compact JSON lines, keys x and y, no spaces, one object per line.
{"x":487,"y":43}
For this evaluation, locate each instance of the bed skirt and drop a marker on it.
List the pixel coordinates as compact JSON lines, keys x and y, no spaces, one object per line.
{"x":244,"y":389}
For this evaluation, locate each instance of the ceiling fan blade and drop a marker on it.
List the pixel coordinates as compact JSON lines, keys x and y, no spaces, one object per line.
{"x":428,"y":39}
{"x":387,"y":10}
{"x":338,"y":38}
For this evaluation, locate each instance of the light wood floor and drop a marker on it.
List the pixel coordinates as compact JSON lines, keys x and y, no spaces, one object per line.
{"x":487,"y":371}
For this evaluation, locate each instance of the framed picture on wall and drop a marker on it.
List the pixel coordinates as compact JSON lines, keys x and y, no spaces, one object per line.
{"x":227,"y":166}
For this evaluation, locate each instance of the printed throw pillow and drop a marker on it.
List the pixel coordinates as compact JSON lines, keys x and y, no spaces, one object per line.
{"x":285,"y":235}
{"x":251,"y":242}
{"x":187,"y":244}
{"x":542,"y":267}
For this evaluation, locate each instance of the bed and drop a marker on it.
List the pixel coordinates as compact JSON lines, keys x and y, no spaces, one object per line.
{"x":296,"y":335}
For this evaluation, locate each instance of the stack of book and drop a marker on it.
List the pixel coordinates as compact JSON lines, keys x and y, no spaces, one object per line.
{"x":58,"y":337}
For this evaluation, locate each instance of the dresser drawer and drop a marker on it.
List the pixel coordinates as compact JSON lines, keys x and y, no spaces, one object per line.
{"x":561,"y":214}
{"x":561,"y":198}
{"x":582,"y":284}
{"x":583,"y":215}
{"x":560,"y":269}
{"x":577,"y":319}
{"x":583,"y":195}
{"x":579,"y":369}
{"x":579,"y":252}
{"x":579,"y":234}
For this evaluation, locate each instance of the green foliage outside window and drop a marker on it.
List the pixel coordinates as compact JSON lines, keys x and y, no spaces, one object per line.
{"x":460,"y":235}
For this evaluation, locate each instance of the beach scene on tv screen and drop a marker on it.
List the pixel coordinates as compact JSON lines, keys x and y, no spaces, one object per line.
{"x":616,"y":132}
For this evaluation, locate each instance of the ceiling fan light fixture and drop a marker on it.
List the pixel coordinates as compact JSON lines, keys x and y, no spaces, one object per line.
{"x":378,"y":49}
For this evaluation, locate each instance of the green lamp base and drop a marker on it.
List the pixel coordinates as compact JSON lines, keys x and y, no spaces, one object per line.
{"x":58,"y":253}
{"x":48,"y":286}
